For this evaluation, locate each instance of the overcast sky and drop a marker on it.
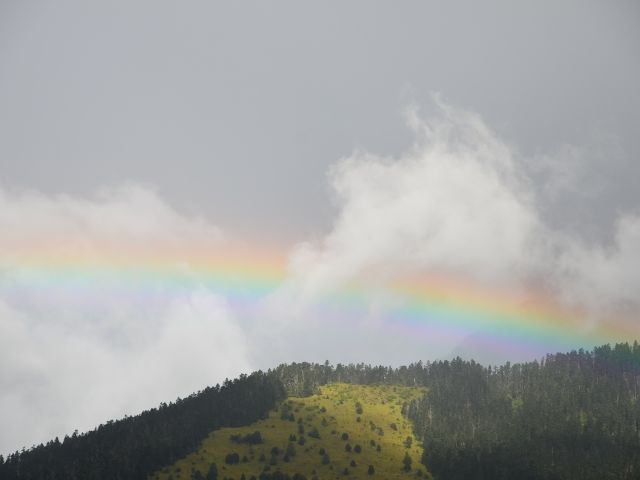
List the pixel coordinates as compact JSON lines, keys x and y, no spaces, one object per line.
{"x":236,"y":109}
{"x":274,"y":123}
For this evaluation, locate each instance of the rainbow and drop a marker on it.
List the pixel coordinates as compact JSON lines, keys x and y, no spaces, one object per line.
{"x":435,"y":306}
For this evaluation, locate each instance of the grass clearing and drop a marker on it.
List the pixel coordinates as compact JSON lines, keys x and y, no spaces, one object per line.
{"x":338,"y":433}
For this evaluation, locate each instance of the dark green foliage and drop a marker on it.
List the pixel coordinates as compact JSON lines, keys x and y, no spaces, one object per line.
{"x":408,"y":442}
{"x":573,"y":416}
{"x":232,"y":458}
{"x":357,"y":449}
{"x":406,"y":463}
{"x":353,"y":463}
{"x":325,"y":459}
{"x":196,"y":475}
{"x":347,"y":447}
{"x":345,"y":436}
{"x":212,"y":474}
{"x":134,"y":447}
{"x":314,"y":433}
{"x":291,"y":450}
{"x":286,"y":412}
{"x":251,"y":438}
{"x":371,"y":470}
{"x":279,"y":476}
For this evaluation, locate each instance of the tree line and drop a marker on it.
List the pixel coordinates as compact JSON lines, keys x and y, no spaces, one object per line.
{"x":567,"y":416}
{"x":134,"y":447}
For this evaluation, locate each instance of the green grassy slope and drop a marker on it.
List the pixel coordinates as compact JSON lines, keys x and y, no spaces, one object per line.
{"x":337,"y":433}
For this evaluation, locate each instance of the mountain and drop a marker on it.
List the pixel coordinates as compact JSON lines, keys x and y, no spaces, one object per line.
{"x":568,"y":416}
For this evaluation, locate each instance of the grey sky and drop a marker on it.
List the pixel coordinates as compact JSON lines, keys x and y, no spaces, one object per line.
{"x":236,"y":109}
{"x":165,"y":123}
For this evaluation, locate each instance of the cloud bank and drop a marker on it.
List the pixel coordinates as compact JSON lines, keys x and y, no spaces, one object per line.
{"x":72,"y":356}
{"x":462,"y":202}
{"x":458,"y":202}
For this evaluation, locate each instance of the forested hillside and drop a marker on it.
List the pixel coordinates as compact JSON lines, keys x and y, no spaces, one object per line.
{"x":133,"y":447}
{"x":568,"y":416}
{"x":342,"y":431}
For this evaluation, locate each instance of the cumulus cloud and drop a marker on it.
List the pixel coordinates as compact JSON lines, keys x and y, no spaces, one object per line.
{"x":130,"y":215}
{"x":460,"y":202}
{"x":603,"y":278}
{"x":455,"y":202}
{"x":78,"y":351}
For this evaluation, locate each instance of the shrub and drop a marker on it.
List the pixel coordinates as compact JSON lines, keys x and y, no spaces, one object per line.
{"x":406,"y":462}
{"x":251,"y":438}
{"x":212,"y":474}
{"x":291,"y":450}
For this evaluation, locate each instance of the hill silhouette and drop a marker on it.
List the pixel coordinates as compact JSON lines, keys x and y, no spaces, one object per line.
{"x":570,"y":415}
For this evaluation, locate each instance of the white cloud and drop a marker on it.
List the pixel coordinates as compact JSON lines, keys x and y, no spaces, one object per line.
{"x":77,"y":348}
{"x":604,"y":279}
{"x":459,"y":202}
{"x":455,"y":202}
{"x":131,"y":215}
